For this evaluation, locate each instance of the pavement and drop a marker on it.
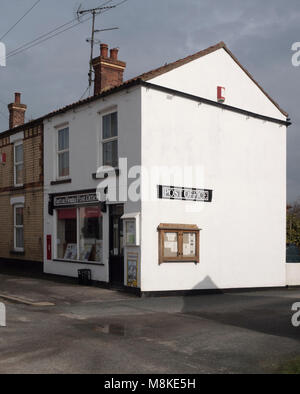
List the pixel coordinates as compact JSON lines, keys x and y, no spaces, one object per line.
{"x":55,"y":327}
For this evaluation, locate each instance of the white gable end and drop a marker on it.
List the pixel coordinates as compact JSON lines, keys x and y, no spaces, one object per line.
{"x":202,"y":76}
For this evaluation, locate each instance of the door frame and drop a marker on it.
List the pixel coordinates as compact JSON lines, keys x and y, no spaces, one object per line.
{"x":120,"y":256}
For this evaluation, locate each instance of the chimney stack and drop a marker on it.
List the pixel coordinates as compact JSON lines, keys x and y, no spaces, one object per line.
{"x":108,"y":70}
{"x":16,"y":112}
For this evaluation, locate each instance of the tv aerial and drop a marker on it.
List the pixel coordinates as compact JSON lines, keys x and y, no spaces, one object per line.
{"x":92,"y":40}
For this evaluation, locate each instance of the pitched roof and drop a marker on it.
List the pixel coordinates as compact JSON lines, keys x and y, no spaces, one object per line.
{"x":256,"y":83}
{"x":172,"y":66}
{"x":169,"y":67}
{"x":181,"y":62}
{"x":152,"y":74}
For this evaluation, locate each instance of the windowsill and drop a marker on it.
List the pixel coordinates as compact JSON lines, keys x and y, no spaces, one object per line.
{"x":17,"y":252}
{"x":61,"y":181}
{"x":77,"y":262}
{"x":18,"y":186}
{"x":105,"y":174}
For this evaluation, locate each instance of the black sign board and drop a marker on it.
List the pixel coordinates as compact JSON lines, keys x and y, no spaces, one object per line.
{"x":184,"y":194}
{"x":75,"y":199}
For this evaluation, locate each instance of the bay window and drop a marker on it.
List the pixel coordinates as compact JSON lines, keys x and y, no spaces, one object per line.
{"x":79,"y":234}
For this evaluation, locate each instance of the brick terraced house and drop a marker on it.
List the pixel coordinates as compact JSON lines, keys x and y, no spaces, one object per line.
{"x":21,"y":188}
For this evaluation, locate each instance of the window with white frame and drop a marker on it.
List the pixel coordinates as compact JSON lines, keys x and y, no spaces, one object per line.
{"x":18,"y":163}
{"x":19,"y":228}
{"x":110,"y":139}
{"x":63,"y":154}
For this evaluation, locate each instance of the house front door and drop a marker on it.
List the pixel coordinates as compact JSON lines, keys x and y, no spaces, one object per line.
{"x":116,"y":248}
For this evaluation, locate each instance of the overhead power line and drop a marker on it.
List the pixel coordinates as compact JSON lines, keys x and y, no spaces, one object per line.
{"x":86,"y":90}
{"x":19,"y":20}
{"x":41,"y":37}
{"x":1,"y":101}
{"x":3,"y":115}
{"x":46,"y":36}
{"x":40,"y":41}
{"x":55,"y":32}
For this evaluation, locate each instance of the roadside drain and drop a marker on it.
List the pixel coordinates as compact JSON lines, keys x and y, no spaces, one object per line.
{"x":24,"y":301}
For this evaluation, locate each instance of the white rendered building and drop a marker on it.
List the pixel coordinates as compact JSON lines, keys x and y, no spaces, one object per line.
{"x":198,"y":156}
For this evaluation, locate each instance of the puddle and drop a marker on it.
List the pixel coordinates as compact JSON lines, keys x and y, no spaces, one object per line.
{"x":121,"y":330}
{"x":112,"y":329}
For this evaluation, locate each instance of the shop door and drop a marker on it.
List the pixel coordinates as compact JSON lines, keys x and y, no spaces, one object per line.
{"x":116,"y":254}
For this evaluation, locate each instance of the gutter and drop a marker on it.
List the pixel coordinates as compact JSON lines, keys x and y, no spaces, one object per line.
{"x":148,"y":85}
{"x":225,"y":107}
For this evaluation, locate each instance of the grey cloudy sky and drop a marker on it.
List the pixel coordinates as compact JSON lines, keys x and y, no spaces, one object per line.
{"x":152,"y":32}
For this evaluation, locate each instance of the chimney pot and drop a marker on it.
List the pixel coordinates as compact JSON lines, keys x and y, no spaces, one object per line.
{"x":114,"y":53}
{"x":17,"y":98}
{"x":104,"y":50}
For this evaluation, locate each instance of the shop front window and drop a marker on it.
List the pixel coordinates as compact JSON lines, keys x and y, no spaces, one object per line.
{"x":90,"y":226}
{"x":67,"y":234}
{"x":79,"y":234}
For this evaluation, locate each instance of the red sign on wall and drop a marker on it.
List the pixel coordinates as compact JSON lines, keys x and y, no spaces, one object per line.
{"x":49,"y":247}
{"x":221,"y":94}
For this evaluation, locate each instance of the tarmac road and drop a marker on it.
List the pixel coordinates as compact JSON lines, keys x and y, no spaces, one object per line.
{"x":91,"y":330}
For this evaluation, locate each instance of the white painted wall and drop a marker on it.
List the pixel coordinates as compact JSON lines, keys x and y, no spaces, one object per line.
{"x":244,"y":162}
{"x":242,"y":159}
{"x":202,"y":76}
{"x":293,"y":274}
{"x":85,"y":157}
